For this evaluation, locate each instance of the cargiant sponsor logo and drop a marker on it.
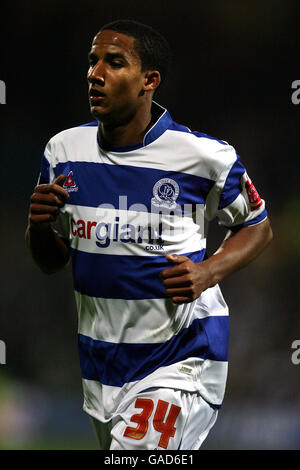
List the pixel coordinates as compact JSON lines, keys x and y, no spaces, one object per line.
{"x":135,"y":224}
{"x":105,"y":232}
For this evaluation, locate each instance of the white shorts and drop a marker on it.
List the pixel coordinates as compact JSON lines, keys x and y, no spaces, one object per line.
{"x":158,"y":418}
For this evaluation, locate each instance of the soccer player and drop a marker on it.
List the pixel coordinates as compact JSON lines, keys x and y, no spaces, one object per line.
{"x":127,"y":199}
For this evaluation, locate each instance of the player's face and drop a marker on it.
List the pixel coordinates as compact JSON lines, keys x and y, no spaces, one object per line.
{"x":115,"y":78}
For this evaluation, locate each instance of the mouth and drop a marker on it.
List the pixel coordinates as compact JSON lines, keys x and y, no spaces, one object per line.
{"x":96,"y":96}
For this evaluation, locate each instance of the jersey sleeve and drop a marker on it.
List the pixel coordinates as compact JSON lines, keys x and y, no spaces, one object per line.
{"x":47,"y":175}
{"x":234,"y":199}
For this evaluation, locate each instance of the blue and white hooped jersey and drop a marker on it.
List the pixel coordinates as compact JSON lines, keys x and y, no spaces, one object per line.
{"x":130,"y":207}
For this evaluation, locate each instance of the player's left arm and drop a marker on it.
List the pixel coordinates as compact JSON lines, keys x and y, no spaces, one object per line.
{"x":186,"y":280}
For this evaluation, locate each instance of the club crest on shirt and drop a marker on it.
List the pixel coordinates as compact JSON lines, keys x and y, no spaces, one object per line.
{"x":165,"y":193}
{"x":69,"y":183}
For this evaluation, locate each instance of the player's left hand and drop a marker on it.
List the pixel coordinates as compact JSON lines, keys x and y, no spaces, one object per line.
{"x":185,"y":281}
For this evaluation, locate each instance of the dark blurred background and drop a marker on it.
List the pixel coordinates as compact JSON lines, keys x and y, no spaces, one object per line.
{"x":231,"y":77}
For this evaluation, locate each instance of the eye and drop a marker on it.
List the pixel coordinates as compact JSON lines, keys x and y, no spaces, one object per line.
{"x":116,"y":65}
{"x":92,"y":60}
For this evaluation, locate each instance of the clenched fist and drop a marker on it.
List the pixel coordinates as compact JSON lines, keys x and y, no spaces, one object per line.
{"x":46,"y":201}
{"x":185,"y":281}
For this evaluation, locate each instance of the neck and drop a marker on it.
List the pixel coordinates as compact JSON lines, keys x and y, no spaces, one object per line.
{"x":128,"y":132}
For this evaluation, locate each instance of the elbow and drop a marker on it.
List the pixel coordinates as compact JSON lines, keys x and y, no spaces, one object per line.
{"x":268,"y":233}
{"x":52,"y":268}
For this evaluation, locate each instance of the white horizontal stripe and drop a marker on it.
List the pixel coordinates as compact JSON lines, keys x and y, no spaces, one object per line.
{"x":208,"y":378}
{"x":143,"y":321}
{"x":99,"y":230}
{"x":78,"y":144}
{"x":210,"y":303}
{"x":213,"y":381}
{"x":189,"y":154}
{"x":129,"y":321}
{"x":239,"y":212}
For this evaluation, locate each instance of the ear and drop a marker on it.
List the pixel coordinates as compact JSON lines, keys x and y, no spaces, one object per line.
{"x":152,"y":80}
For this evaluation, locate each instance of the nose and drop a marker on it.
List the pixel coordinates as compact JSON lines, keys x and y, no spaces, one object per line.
{"x":96,"y":74}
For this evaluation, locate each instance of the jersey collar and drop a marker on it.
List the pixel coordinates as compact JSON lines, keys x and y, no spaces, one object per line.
{"x":162,"y":121}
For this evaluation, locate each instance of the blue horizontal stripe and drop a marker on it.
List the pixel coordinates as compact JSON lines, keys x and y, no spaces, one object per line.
{"x":174,"y":126}
{"x":100,"y":183}
{"x":205,"y":136}
{"x":256,"y":220}
{"x":232,"y":187}
{"x":121,"y":277}
{"x":215,"y":407}
{"x":116,"y":364}
{"x":44,"y":171}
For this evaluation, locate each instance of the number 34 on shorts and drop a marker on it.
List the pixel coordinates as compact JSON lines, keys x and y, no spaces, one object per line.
{"x":162,"y":417}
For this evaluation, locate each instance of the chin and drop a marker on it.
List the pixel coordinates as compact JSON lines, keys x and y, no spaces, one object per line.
{"x":97,"y":113}
{"x":103,"y":116}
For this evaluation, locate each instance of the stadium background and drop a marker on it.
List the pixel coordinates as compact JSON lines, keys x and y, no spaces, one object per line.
{"x":234,"y":63}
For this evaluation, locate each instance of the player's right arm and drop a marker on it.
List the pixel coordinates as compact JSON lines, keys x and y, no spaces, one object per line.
{"x":49,"y":251}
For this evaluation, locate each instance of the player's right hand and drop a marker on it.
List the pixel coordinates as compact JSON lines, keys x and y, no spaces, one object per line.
{"x":46,"y":201}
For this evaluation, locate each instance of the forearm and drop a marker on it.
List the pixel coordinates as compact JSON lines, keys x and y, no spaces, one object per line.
{"x":238,"y":250}
{"x":50,"y":252}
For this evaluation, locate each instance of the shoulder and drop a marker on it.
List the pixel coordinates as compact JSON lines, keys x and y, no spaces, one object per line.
{"x":72,"y":143}
{"x":209,"y":154}
{"x":76,"y":132}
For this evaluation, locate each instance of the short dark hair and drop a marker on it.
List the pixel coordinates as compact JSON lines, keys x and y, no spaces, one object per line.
{"x":152,"y":48}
